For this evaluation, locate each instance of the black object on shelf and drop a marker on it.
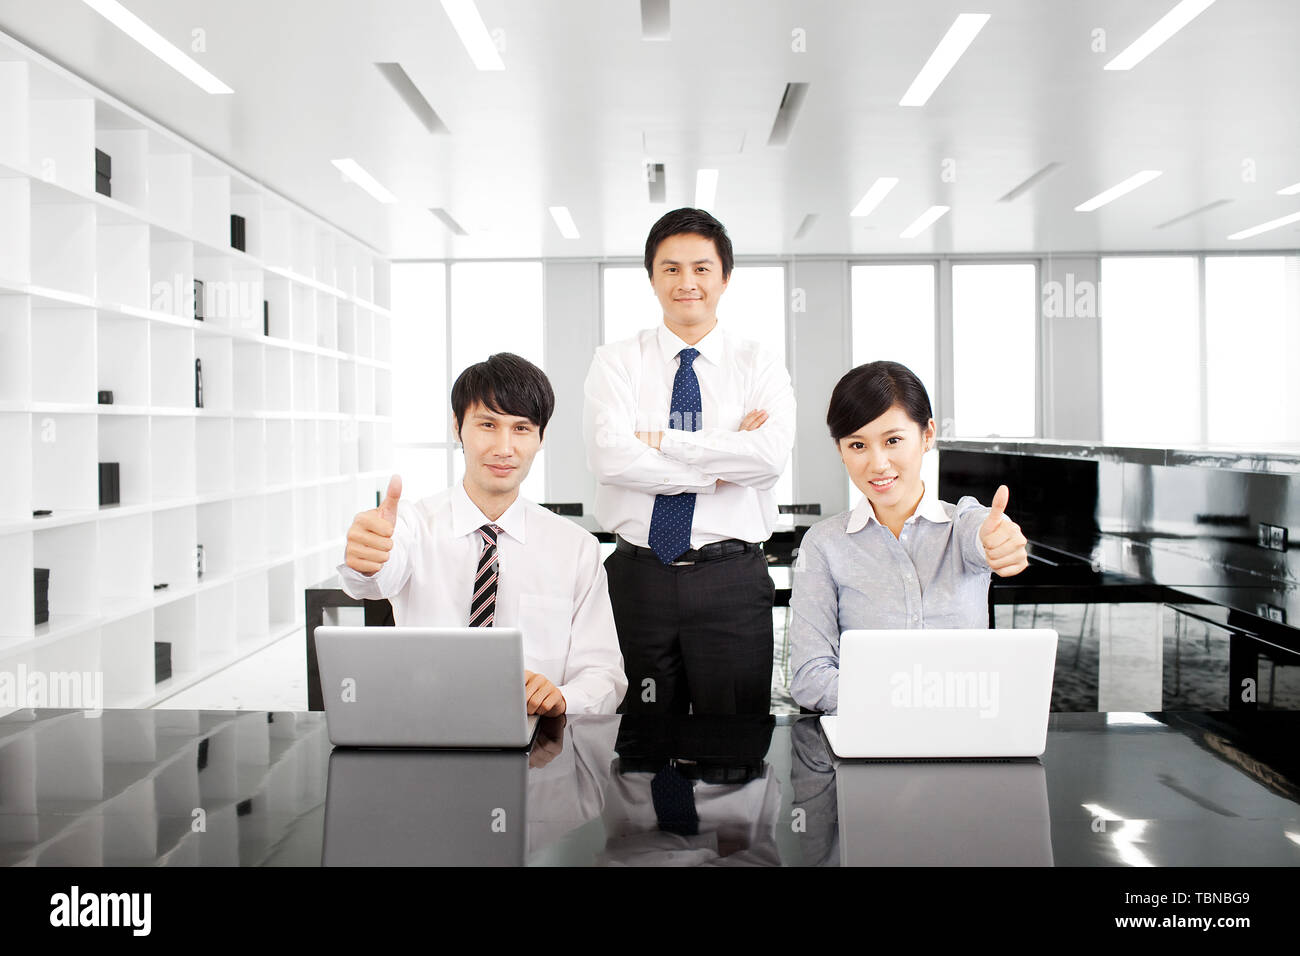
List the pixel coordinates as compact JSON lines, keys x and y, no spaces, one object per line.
{"x":266,"y":317}
{"x":244,"y":807}
{"x":162,"y":662}
{"x":42,"y":583}
{"x":237,"y":232}
{"x":110,"y":483}
{"x":42,"y":513}
{"x":198,"y":383}
{"x":203,"y":753}
{"x":106,"y":397}
{"x":198,"y":300}
{"x":160,"y":587}
{"x":103,"y":173}
{"x":200,"y":561}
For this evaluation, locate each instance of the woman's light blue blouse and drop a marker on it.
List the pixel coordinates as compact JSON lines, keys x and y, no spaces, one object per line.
{"x":853,"y":573}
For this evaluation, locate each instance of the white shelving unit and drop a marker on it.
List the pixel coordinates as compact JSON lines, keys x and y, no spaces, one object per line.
{"x":97,"y":293}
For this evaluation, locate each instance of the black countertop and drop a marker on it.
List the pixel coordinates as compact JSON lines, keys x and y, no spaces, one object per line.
{"x":202,"y":788}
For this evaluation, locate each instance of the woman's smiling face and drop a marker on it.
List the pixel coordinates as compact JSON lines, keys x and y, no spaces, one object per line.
{"x":883,"y":458}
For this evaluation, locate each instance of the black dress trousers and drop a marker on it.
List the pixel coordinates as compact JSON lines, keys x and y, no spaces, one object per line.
{"x":695,"y":638}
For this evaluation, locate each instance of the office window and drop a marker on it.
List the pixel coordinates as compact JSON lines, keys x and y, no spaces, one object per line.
{"x":421,"y":410}
{"x":893,"y":319}
{"x":1149,"y":352}
{"x":994,"y":324}
{"x":495,"y":307}
{"x":1252,"y":332}
{"x":753,"y":307}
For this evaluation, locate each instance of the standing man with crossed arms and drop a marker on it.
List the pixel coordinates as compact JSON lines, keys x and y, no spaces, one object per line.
{"x":688,"y":427}
{"x":480,"y":554}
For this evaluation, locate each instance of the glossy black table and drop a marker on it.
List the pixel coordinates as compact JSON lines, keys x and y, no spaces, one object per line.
{"x":206,"y":788}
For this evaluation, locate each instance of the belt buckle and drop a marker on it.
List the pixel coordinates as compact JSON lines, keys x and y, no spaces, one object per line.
{"x":678,"y":564}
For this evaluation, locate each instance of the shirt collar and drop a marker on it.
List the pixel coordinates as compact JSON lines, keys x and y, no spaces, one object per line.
{"x":930,"y":508}
{"x":710,"y":346}
{"x":466,"y":518}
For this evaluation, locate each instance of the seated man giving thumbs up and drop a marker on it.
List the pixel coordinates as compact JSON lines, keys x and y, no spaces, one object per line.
{"x":480,"y":555}
{"x":902,"y":558}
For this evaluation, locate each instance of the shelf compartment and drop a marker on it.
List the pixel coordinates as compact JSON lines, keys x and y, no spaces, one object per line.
{"x":250,"y":530}
{"x":214,"y":524}
{"x":174,"y":623}
{"x":304,"y":450}
{"x":247,"y":376}
{"x":171,"y":367}
{"x":327,"y":384}
{"x":174,"y":538}
{"x":125,"y":560}
{"x":127,"y":658}
{"x":247,"y":203}
{"x":211,"y":210}
{"x":250,"y":454}
{"x":327,"y":336}
{"x":214,"y":351}
{"x":282,"y":596}
{"x":71,"y":554}
{"x":15,"y":107}
{"x":17,"y":601}
{"x":63,"y":355}
{"x":279,"y":379}
{"x":172,"y":457}
{"x":170,"y":176}
{"x":304,"y":382}
{"x":279,"y":451}
{"x":61,"y":138}
{"x":65,"y":470}
{"x":251,"y":608}
{"x":63,"y":238}
{"x":278,"y":518}
{"x":127,"y":145}
{"x":215,"y":624}
{"x":15,"y":348}
{"x":214,"y":446}
{"x":171,"y":276}
{"x":122,"y":359}
{"x":15,"y":229}
{"x":125,"y":440}
{"x":303,"y":314}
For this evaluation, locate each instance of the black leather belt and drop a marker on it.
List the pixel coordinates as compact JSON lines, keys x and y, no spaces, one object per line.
{"x":710,"y":552}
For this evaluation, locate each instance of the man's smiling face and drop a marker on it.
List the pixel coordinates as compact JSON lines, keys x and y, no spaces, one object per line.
{"x":688,"y":280}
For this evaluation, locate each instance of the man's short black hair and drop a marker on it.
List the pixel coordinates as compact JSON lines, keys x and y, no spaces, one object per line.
{"x":694,"y":222}
{"x":508,"y":385}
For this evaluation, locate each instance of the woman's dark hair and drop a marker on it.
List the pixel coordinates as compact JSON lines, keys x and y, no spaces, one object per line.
{"x":868,"y":391}
{"x":694,"y":222}
{"x":508,"y":385}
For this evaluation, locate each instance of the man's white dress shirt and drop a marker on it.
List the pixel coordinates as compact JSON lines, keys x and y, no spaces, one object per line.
{"x":629,"y":388}
{"x":551,"y":586}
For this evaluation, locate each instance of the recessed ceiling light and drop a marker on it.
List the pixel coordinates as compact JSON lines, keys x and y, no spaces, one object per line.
{"x":1032,"y":181}
{"x":1266,"y":226}
{"x":473,"y":34}
{"x":706,"y":188}
{"x":151,"y":40}
{"x":655,"y":24}
{"x":564,"y":222}
{"x":353,"y":171}
{"x":405,"y":87}
{"x":945,"y":56}
{"x":787,"y":112}
{"x":808,"y":221}
{"x":873,"y":196}
{"x":923,"y":222}
{"x":447,"y":220}
{"x":1289,"y":190}
{"x":1160,"y":31}
{"x":1127,"y":186}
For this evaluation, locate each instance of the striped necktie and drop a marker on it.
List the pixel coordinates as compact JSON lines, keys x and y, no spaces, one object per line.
{"x":483,"y":605}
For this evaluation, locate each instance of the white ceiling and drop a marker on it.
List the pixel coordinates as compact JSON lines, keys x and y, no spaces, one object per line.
{"x":584,"y":101}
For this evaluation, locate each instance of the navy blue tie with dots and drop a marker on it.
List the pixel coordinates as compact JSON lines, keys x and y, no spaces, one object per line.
{"x":670,"y":522}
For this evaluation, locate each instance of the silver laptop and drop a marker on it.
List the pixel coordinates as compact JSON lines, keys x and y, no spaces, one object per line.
{"x":424,"y":686}
{"x":941,"y":694}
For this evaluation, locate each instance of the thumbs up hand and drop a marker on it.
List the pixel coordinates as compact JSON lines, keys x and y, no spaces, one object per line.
{"x":370,"y":539}
{"x":1004,"y":545}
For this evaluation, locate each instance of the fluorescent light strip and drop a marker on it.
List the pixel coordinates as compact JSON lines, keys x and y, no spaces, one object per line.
{"x":1127,"y":186}
{"x":153,"y":41}
{"x":464,"y":16}
{"x":1160,"y":31}
{"x":1266,"y":226}
{"x":1289,"y":190}
{"x":353,"y":171}
{"x":706,"y":188}
{"x":873,"y":196}
{"x":924,"y":222}
{"x":564,"y":222}
{"x":447,"y":220}
{"x":945,"y":56}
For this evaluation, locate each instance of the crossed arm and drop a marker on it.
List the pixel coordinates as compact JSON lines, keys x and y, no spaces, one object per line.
{"x":676,"y":461}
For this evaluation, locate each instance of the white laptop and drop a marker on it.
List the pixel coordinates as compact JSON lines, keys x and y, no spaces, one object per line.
{"x":943,"y":694}
{"x":424,"y":686}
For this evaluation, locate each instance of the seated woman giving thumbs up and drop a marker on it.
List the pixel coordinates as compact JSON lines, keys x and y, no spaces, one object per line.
{"x":902,"y":558}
